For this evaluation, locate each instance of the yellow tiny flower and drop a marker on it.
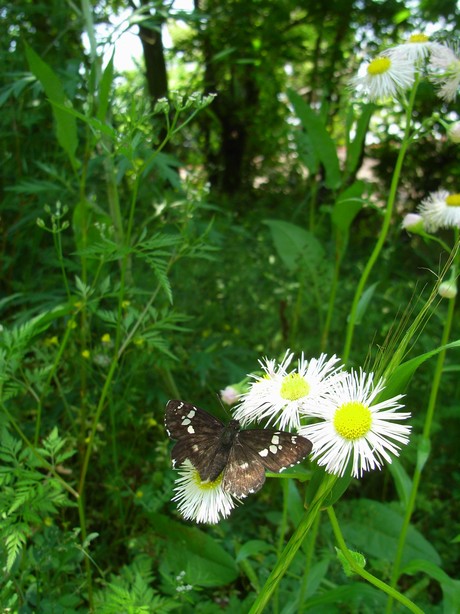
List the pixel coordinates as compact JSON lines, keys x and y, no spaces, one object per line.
{"x":106,"y":338}
{"x":139,"y":341}
{"x":139,"y":494}
{"x":86,"y":354}
{"x":47,"y":521}
{"x":125,"y":304}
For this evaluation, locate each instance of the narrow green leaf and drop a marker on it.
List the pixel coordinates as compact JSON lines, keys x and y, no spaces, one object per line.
{"x":355,"y":147}
{"x":401,"y":376}
{"x":402,"y":481}
{"x":66,"y":126}
{"x":105,"y":86}
{"x":364,"y":302}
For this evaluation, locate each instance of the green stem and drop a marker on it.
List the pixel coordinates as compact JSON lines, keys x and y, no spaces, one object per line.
{"x":407,"y":138}
{"x":292,"y":546}
{"x":423,"y":451}
{"x":308,"y":560}
{"x":362,"y":572}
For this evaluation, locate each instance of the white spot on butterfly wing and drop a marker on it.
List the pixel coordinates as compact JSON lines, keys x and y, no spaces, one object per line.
{"x":275,"y":440}
{"x":190,"y":430}
{"x":263,"y":453}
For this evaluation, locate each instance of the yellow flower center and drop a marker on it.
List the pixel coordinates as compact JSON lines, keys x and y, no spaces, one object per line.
{"x":352,"y":420}
{"x":453,"y":200}
{"x":379,"y":66}
{"x":206,"y":485}
{"x":294,"y":387}
{"x":418,"y":38}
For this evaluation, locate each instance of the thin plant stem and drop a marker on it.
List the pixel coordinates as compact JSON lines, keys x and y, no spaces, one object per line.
{"x":292,"y":546}
{"x":362,"y":572}
{"x":407,"y":138}
{"x":423,"y":451}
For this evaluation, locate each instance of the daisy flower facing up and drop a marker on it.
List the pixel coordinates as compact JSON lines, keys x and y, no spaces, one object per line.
{"x":386,"y":76}
{"x":354,"y":427}
{"x":415,"y":49}
{"x":282,"y":397}
{"x":440,"y":210}
{"x":445,"y":70}
{"x":201,"y":501}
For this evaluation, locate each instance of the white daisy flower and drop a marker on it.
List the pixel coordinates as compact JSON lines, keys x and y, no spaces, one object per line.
{"x":201,"y":501}
{"x":440,"y":210}
{"x":355,"y":428}
{"x":415,"y":49}
{"x":282,"y":397}
{"x":444,"y":67}
{"x":385,"y":76}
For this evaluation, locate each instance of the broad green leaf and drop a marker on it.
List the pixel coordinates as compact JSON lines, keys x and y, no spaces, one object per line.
{"x":375,"y":530}
{"x":202,"y":558}
{"x":295,"y":245}
{"x":323,"y":144}
{"x":450,"y":587}
{"x":66,"y":126}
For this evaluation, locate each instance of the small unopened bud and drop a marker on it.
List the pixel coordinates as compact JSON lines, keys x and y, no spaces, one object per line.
{"x":454,"y":132}
{"x":40,"y":222}
{"x":448,"y":289}
{"x":229,"y":395}
{"x":413,"y":222}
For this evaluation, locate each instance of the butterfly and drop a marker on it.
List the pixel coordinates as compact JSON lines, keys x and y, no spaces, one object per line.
{"x":241,"y":455}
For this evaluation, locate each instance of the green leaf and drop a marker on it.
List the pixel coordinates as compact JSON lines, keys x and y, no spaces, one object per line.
{"x":357,"y":557}
{"x":364,"y":301}
{"x":204,"y":561}
{"x":450,"y":588}
{"x":347,"y":206}
{"x":105,"y":86}
{"x":375,"y":529}
{"x":402,"y":481}
{"x":295,"y":246}
{"x":254,"y":546}
{"x":66,"y":126}
{"x":401,"y":376}
{"x":355,"y":147}
{"x":322,"y":142}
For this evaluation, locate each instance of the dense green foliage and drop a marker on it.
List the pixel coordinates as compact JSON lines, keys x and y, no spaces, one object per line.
{"x":156,"y":249}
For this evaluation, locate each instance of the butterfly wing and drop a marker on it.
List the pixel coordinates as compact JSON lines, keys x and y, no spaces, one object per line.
{"x":198,"y":437}
{"x":244,"y":473}
{"x":276,"y":450}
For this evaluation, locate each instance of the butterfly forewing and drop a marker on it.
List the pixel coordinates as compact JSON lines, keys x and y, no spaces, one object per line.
{"x":199,"y":439}
{"x":277,"y":450}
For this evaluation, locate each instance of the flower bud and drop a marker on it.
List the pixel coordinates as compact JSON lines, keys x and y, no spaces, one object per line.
{"x":413,"y":222}
{"x":448,"y":289}
{"x":454,"y":132}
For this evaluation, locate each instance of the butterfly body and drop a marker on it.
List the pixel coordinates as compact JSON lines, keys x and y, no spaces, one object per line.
{"x":241,"y":456}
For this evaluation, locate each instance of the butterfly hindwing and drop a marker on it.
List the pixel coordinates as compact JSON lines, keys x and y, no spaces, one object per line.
{"x":244,"y":473}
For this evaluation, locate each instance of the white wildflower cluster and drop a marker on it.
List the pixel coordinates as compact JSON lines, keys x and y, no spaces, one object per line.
{"x":350,"y":429}
{"x":393,"y":72}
